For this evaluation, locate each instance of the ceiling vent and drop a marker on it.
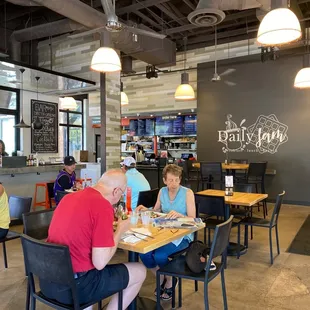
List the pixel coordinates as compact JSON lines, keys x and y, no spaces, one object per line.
{"x":206,"y":14}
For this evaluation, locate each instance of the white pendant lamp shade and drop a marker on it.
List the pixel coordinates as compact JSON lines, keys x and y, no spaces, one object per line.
{"x":184,"y":90}
{"x":106,"y":59}
{"x":124,"y":99}
{"x":302,"y":79}
{"x":279,"y":26}
{"x":68,"y":103}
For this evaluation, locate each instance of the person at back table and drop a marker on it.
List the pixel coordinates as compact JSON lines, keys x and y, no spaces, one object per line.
{"x":84,"y":222}
{"x":4,"y":213}
{"x":66,"y":177}
{"x":135,"y":180}
{"x":177,"y":201}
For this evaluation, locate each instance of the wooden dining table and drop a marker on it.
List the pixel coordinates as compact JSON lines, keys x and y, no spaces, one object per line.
{"x":231,"y":166}
{"x":237,"y":199}
{"x":159,"y":237}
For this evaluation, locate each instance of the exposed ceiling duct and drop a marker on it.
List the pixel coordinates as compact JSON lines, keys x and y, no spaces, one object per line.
{"x":23,"y":2}
{"x":211,"y":12}
{"x":39,"y":32}
{"x":150,"y":50}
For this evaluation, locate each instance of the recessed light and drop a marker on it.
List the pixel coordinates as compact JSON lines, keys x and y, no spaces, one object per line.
{"x":192,"y":110}
{"x":151,"y":115}
{"x":179,"y":113}
{"x":138,"y":114}
{"x":125,"y":116}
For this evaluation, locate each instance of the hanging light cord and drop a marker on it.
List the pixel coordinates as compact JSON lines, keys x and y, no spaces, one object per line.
{"x":215,"y":49}
{"x":185,"y":50}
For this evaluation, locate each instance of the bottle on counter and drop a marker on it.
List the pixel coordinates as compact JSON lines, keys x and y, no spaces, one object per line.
{"x":128,"y":199}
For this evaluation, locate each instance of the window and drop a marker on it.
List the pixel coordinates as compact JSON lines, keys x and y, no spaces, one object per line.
{"x":71,"y":129}
{"x":9,"y":116}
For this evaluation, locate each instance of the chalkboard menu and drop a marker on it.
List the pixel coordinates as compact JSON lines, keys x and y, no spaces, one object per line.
{"x":44,"y":140}
{"x":169,"y":125}
{"x":190,"y":125}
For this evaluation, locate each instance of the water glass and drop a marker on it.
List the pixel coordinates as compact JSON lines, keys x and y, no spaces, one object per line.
{"x":146,"y":218}
{"x":134,"y":217}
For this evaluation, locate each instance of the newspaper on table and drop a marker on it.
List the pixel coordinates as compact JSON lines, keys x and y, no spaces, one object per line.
{"x":179,"y":223}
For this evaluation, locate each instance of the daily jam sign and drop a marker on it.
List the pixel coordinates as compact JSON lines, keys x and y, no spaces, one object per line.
{"x":266,"y":135}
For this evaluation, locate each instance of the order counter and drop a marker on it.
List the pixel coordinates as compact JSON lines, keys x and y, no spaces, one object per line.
{"x":22,"y":181}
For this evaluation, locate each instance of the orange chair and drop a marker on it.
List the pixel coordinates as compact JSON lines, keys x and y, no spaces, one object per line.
{"x":48,"y":200}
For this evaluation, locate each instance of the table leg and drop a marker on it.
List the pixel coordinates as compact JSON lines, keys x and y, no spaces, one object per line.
{"x":140,"y":303}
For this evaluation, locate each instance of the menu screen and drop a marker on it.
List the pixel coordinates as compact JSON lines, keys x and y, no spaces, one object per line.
{"x":149,"y":127}
{"x":141,"y":127}
{"x":190,"y":125}
{"x":169,"y":125}
{"x":133,"y":127}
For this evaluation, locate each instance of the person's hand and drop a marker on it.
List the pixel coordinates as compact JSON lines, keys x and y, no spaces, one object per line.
{"x":79,"y":186}
{"x":141,"y":208}
{"x":123,"y":225}
{"x":173,"y":215}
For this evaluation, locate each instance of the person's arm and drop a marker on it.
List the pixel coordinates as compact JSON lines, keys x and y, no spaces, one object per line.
{"x":157,"y":207}
{"x":64,"y":181}
{"x":102,"y":255}
{"x":190,"y":207}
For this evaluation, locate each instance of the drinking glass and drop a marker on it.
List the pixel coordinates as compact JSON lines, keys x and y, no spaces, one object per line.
{"x":134,"y":217}
{"x":146,"y":218}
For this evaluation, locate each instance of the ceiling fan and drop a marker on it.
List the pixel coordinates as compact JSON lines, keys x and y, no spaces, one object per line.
{"x":218,"y":77}
{"x":113,"y":25}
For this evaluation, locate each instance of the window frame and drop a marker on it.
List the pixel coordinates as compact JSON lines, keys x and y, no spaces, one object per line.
{"x":68,"y":125}
{"x":15,"y":113}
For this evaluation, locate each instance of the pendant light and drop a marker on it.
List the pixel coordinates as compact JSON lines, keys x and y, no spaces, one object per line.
{"x":106,"y":58}
{"x":124,"y":97}
{"x":21,"y":124}
{"x":302,"y":79}
{"x":279,"y":26}
{"x":68,"y":103}
{"x":184,"y":90}
{"x":37,"y":125}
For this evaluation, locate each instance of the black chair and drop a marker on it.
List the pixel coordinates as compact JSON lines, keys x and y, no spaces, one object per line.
{"x":18,"y":205}
{"x":50,"y":190}
{"x":190,"y":175}
{"x":260,"y":222}
{"x":236,"y":211}
{"x":61,"y":194}
{"x":51,"y":262}
{"x":206,"y":208}
{"x":256,"y":175}
{"x":211,"y":174}
{"x":148,"y":198}
{"x":36,"y":225}
{"x":239,"y":174}
{"x":12,"y":235}
{"x":178,"y":267}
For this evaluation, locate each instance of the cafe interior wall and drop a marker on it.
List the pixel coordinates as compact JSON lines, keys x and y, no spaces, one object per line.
{"x":73,"y":56}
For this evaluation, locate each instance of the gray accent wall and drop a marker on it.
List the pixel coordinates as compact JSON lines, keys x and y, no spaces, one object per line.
{"x":266,"y":90}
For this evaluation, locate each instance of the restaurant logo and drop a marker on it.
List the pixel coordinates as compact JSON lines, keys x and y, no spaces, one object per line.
{"x":266,"y":135}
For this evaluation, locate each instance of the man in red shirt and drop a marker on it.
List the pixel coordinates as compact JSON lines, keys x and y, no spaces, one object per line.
{"x":84,"y":222}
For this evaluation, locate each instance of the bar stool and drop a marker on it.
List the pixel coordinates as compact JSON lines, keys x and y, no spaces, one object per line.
{"x":46,"y":202}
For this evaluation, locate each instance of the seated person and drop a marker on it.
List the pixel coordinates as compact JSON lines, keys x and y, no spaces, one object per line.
{"x":2,"y":149}
{"x":84,"y":222}
{"x":135,"y":180}
{"x":177,"y":201}
{"x":4,"y":213}
{"x":66,"y":177}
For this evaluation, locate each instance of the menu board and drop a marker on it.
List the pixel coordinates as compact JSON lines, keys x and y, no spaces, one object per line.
{"x":190,"y":125}
{"x":44,"y":140}
{"x":149,"y":127}
{"x":141,"y":127}
{"x":133,"y":127}
{"x":169,"y":125}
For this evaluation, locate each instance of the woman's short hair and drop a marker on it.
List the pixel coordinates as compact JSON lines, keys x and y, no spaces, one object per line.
{"x":172,"y":169}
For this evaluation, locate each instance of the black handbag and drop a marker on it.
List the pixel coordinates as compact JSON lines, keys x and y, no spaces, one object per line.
{"x":196,"y":256}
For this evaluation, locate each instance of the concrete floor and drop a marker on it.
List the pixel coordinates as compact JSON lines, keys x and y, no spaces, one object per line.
{"x":251,"y":282}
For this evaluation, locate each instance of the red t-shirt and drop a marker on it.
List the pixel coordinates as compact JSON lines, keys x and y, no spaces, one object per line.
{"x":81,"y":221}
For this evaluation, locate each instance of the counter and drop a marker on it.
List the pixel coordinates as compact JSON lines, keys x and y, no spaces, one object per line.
{"x":22,"y":181}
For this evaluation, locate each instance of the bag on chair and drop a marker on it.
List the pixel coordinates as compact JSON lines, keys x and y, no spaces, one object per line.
{"x":196,"y":256}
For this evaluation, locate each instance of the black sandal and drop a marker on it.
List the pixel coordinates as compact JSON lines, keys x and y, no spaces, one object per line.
{"x":162,"y":288}
{"x":169,"y":291}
